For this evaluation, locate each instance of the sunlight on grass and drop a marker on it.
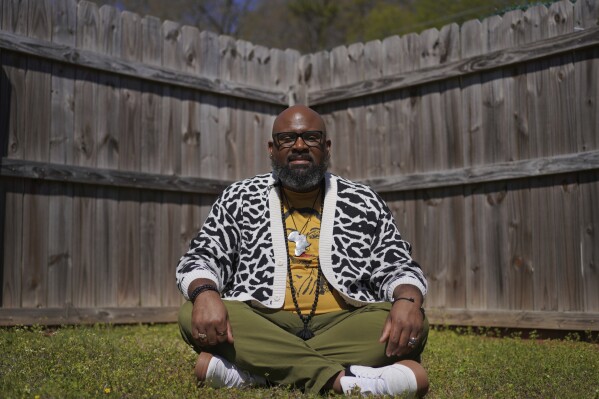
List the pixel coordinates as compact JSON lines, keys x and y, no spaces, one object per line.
{"x":152,"y":361}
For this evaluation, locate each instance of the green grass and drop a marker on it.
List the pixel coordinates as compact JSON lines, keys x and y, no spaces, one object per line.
{"x":152,"y":361}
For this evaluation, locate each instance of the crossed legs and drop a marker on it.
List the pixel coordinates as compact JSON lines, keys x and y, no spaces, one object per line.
{"x":266,"y":345}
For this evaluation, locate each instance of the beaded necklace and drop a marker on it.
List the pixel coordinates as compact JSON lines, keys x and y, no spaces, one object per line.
{"x":305,"y":333}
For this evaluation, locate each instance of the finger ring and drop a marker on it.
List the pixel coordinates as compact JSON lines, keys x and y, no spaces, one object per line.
{"x":412,"y":341}
{"x":221,"y":333}
{"x":202,"y":336}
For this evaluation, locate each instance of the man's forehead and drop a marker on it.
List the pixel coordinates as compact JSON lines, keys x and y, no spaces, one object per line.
{"x":297,"y":118}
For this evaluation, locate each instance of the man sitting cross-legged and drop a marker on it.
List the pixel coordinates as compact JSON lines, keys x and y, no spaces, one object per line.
{"x":300,"y":277}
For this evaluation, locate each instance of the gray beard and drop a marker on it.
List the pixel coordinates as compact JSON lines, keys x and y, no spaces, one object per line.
{"x":302,"y":179}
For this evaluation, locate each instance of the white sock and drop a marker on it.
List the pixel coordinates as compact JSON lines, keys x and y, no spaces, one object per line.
{"x":221,"y":373}
{"x":389,"y":380}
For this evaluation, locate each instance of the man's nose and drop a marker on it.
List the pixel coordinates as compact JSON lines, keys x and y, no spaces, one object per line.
{"x":300,"y":145}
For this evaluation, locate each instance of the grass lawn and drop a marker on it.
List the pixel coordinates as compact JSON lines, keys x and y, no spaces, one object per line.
{"x":152,"y":361}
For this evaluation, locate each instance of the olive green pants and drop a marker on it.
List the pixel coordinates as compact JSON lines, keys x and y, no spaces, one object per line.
{"x":266,"y":344}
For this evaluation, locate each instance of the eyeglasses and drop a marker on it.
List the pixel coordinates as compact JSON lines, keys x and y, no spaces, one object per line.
{"x":312,"y":138}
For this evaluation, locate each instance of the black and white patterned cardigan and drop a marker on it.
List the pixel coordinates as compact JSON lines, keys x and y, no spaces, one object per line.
{"x":241,"y":246}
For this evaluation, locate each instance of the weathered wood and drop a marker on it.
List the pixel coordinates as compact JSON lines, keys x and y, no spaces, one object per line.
{"x":565,"y":190}
{"x":473,"y":40}
{"x":589,"y":239}
{"x":519,"y":271}
{"x":71,"y":315}
{"x":583,"y":161}
{"x":581,"y":321}
{"x":191,"y":138}
{"x":85,"y":155}
{"x":495,"y":167}
{"x":108,"y":136}
{"x":170,"y":164}
{"x":109,"y":177}
{"x":38,"y":84}
{"x":544,"y":278}
{"x":129,"y":244}
{"x":150,"y":202}
{"x":135,"y":69}
{"x":64,"y":15}
{"x":12,"y":192}
{"x":13,"y":72}
{"x":471,"y":65}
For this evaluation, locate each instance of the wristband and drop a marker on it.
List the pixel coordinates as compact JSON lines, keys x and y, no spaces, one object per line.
{"x":202,"y":288}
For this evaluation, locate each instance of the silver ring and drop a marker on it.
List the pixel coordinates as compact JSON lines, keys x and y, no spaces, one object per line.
{"x":202,"y":336}
{"x":221,"y":333}
{"x":412,"y":341}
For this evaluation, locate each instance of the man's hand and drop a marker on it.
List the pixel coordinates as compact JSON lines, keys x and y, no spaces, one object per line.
{"x":209,"y":319}
{"x":404,"y":322}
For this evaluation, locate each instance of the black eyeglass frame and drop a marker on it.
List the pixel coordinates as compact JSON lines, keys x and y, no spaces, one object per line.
{"x":297,"y":135}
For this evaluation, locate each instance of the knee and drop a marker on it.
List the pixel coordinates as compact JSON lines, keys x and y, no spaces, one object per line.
{"x":422,"y":382}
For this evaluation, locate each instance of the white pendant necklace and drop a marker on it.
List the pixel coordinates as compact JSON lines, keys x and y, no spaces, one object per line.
{"x":300,"y":240}
{"x":297,"y":236}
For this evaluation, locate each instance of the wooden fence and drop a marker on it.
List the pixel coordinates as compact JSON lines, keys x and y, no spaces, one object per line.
{"x":117,"y":132}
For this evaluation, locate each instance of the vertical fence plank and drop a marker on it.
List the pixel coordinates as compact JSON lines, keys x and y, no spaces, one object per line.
{"x":38,"y":85}
{"x":14,"y":19}
{"x":170,"y":212}
{"x":84,"y":154}
{"x":108,"y":135}
{"x":260,"y":75}
{"x":64,"y":26}
{"x":354,"y":133}
{"x":244,"y":165}
{"x":472,"y":39}
{"x":390,"y":64}
{"x":520,"y":269}
{"x":151,"y":244}
{"x":341,"y":136}
{"x":431,"y":153}
{"x":191,"y":138}
{"x":129,"y":246}
{"x":227,"y":111}
{"x":211,"y":148}
{"x":374,"y":132}
{"x":545,"y":283}
{"x":565,"y":189}
{"x":586,"y":13}
{"x":493,"y":146}
{"x":589,"y":239}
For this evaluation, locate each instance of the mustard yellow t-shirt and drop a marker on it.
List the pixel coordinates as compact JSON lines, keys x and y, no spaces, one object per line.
{"x":299,"y":215}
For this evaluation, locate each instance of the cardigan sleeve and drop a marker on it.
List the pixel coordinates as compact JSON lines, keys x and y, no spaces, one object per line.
{"x":391,"y":259}
{"x":213,"y":252}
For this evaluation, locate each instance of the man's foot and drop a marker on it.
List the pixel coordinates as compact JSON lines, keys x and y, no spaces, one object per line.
{"x":216,"y":372}
{"x":389,"y":380}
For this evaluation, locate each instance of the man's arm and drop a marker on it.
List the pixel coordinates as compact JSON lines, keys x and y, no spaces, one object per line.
{"x":405,"y":320}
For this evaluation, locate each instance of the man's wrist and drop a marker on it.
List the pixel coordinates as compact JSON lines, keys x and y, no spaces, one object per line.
{"x":201,"y":289}
{"x":409,"y":293}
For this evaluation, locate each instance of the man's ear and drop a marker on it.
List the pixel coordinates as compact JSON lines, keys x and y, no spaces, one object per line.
{"x":270,"y":146}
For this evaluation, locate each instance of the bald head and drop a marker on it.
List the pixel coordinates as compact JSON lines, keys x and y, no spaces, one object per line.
{"x":301,"y":161}
{"x":298,"y":118}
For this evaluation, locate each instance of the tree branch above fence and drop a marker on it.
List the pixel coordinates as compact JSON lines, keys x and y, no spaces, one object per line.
{"x":502,"y":58}
{"x":110,"y":64}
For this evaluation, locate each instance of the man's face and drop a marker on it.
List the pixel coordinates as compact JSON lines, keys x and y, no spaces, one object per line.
{"x":299,"y":165}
